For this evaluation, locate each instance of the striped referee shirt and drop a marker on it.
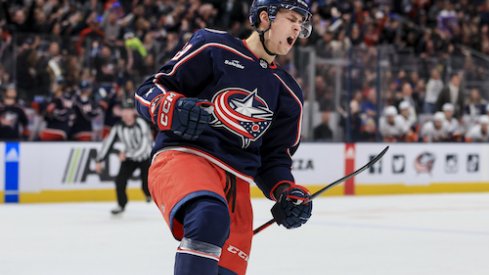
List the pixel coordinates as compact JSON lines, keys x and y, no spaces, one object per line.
{"x":137,"y":140}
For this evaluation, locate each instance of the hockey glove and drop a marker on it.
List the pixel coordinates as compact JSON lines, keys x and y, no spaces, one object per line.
{"x":293,"y":207}
{"x":185,"y":117}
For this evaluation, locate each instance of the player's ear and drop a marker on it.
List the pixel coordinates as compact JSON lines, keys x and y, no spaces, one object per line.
{"x":264,"y":18}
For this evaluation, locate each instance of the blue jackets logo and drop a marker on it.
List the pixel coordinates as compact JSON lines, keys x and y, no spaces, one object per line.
{"x":424,"y":163}
{"x":242,"y":112}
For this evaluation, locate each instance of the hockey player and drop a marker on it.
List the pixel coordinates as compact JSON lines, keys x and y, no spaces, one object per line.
{"x":408,"y":114}
{"x":436,"y":130}
{"x":228,"y":116}
{"x":391,"y":126}
{"x":479,"y":132}
{"x":455,"y":130}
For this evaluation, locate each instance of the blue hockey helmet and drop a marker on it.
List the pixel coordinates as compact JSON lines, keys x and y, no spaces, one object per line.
{"x":272,"y":7}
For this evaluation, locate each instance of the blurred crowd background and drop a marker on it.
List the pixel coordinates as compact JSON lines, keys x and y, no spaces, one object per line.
{"x":380,"y":70}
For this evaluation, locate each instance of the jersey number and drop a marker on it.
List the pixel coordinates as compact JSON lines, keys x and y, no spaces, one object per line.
{"x":182,"y":52}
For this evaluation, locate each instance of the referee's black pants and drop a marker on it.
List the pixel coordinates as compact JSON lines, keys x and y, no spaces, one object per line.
{"x":125,"y":172}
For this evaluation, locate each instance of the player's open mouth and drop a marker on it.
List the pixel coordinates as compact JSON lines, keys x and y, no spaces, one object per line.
{"x":290,"y":40}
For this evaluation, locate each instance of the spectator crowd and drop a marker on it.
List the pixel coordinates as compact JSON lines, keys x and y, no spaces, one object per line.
{"x":66,"y":65}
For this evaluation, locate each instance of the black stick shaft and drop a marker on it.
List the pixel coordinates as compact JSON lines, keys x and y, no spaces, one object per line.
{"x":324,"y":189}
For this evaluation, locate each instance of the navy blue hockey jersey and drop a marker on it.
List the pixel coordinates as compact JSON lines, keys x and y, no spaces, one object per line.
{"x":257,"y":108}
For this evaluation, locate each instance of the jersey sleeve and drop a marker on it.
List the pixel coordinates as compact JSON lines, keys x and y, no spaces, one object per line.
{"x":279,"y":144}
{"x":187,"y":73}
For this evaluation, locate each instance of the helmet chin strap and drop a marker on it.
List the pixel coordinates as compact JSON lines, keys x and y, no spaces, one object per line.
{"x":262,"y":40}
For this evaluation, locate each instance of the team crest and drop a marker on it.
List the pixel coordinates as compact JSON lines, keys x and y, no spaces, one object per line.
{"x":241,"y":112}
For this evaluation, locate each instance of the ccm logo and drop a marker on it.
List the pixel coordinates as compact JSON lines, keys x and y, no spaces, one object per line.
{"x":165,"y":108}
{"x":238,"y":252}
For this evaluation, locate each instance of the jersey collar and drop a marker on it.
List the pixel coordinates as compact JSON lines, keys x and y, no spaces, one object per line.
{"x":263,"y":63}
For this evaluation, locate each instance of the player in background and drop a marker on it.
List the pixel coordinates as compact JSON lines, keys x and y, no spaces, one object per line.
{"x":408,"y":114}
{"x":135,"y":135}
{"x":436,"y":130}
{"x":455,"y":129}
{"x":227,"y":116}
{"x":479,"y":132}
{"x":392,"y":126}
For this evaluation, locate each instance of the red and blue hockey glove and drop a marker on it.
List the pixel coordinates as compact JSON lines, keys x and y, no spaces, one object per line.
{"x":185,"y":117}
{"x":293,"y":207}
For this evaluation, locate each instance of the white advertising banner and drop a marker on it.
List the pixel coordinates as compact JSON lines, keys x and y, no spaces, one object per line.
{"x":424,"y":164}
{"x":65,"y":166}
{"x":316,"y":163}
{"x":71,"y":166}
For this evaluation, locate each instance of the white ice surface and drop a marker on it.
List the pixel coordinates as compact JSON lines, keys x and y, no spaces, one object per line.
{"x":377,"y":235}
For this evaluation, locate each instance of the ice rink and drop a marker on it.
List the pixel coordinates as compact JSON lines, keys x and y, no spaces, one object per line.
{"x":378,"y":235}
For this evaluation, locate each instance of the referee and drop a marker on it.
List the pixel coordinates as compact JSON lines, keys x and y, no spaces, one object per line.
{"x":137,"y":140}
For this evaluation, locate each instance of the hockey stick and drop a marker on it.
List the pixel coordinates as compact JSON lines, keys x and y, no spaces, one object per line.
{"x":324,"y":189}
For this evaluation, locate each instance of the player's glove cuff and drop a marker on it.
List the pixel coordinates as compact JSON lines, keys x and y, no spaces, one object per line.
{"x":162,"y":108}
{"x":185,"y":117}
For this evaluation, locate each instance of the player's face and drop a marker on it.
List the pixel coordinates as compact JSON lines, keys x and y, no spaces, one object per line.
{"x":391,"y":120}
{"x":284,"y":32}
{"x":448,"y":114}
{"x":405,"y":112}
